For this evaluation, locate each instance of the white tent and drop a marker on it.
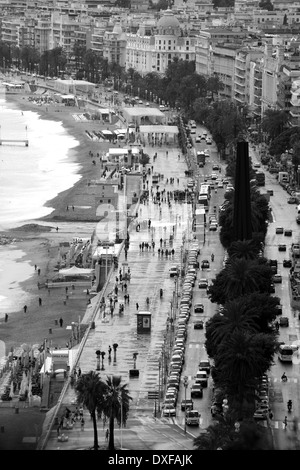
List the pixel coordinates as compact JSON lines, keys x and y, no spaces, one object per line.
{"x":74,"y":271}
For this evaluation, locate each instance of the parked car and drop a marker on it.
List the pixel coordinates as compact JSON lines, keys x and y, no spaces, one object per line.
{"x":260,"y":414}
{"x":272,"y":288}
{"x":169,"y":410}
{"x":298,"y":219}
{"x":279,"y":230}
{"x":288,"y":232}
{"x":292,"y":200}
{"x":198,"y":308}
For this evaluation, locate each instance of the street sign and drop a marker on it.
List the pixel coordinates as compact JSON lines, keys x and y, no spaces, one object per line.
{"x":153,"y":395}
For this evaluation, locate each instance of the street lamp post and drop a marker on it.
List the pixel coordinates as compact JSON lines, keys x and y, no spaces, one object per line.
{"x":159,"y":367}
{"x":185,"y":383}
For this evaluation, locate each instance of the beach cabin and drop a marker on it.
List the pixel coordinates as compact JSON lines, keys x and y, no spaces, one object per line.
{"x":121,"y":156}
{"x":67,"y":100}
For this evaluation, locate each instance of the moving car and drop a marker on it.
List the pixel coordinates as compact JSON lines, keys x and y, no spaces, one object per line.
{"x":277,"y":278}
{"x":196,"y":391}
{"x":287,"y":263}
{"x":213,"y":226}
{"x":205,"y":264}
{"x":173,"y":271}
{"x":198,"y":325}
{"x":187,"y":405}
{"x":283,"y":321}
{"x":204,"y":364}
{"x":198,"y":308}
{"x":203,"y":283}
{"x":281,"y":247}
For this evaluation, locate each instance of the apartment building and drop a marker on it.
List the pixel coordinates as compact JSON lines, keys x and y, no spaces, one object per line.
{"x":215,"y":52}
{"x":243,"y":73}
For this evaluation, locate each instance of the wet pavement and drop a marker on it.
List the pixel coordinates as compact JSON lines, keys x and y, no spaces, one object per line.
{"x":149,"y":273}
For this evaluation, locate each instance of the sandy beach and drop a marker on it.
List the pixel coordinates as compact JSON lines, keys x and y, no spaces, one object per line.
{"x":40,"y":242}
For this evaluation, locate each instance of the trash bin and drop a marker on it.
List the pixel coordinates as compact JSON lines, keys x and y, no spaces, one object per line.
{"x":50,"y":331}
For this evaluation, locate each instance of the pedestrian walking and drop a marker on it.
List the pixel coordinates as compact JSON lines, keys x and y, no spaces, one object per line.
{"x":61,"y":322}
{"x":39,"y":271}
{"x":57,"y":229}
{"x":6,"y":318}
{"x":35,"y":267}
{"x":82,"y":424}
{"x":73,"y":207}
{"x":79,"y":372}
{"x":285,"y":422}
{"x":40,"y":301}
{"x":109,"y":352}
{"x":270,"y":414}
{"x":137,"y":306}
{"x":107,"y":435}
{"x":25,"y":308}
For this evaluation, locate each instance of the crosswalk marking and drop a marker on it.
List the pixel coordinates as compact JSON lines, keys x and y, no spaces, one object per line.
{"x":291,"y":380}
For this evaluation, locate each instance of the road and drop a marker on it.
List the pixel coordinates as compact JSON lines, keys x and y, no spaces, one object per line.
{"x":284,"y":215}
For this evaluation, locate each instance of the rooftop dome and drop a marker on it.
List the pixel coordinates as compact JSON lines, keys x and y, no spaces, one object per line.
{"x":168,"y":21}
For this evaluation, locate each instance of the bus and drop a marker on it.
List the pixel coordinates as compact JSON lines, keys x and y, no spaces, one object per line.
{"x":285,"y":353}
{"x":205,"y":190}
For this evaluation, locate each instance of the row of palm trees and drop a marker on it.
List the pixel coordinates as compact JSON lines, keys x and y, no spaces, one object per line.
{"x":241,"y":337}
{"x":107,"y":399}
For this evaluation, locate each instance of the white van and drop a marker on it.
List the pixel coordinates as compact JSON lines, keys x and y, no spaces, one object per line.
{"x":201,"y":378}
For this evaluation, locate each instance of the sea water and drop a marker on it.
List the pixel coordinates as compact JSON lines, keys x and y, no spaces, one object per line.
{"x":29,"y":177}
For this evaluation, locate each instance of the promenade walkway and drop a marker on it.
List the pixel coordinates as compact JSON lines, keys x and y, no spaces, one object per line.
{"x":149,"y":273}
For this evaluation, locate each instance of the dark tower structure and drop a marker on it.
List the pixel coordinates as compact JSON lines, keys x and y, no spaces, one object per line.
{"x":242,"y":225}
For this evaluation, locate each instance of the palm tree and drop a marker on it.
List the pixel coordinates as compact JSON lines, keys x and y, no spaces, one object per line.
{"x":237,"y":315}
{"x":240,"y":359}
{"x":246,"y":249}
{"x":114,"y":404}
{"x":240,"y":277}
{"x":89,"y":389}
{"x":218,"y":436}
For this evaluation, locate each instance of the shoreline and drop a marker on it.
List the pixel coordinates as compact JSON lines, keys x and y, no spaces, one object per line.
{"x":41,"y":243}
